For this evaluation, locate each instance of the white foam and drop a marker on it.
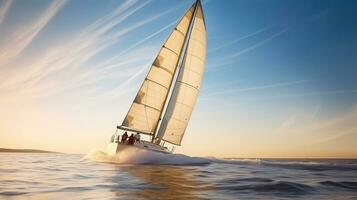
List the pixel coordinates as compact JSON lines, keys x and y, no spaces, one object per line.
{"x":142,"y":156}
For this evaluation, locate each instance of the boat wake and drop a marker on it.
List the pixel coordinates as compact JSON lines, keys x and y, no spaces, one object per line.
{"x":143,"y":157}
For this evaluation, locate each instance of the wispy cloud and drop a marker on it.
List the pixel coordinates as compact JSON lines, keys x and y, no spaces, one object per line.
{"x":123,"y":87}
{"x":145,"y":39}
{"x":322,"y":93}
{"x":257,"y":45}
{"x":268,"y":39}
{"x":13,"y":48}
{"x":261,"y":87}
{"x":4,"y":7}
{"x":238,"y":40}
{"x":226,"y":60}
{"x":339,"y":134}
{"x":71,"y":54}
{"x":317,"y":131}
{"x":299,"y":117}
{"x":49,"y":73}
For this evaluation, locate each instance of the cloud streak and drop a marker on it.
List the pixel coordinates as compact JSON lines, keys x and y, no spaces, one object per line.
{"x":237,"y":40}
{"x":262,"y":87}
{"x":145,"y":39}
{"x":319,"y":131}
{"x":224,"y":61}
{"x":4,"y":7}
{"x":64,"y":67}
{"x":323,"y":93}
{"x":15,"y":47}
{"x":257,"y":45}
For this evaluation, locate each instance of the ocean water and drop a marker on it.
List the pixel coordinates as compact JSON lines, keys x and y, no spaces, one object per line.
{"x":148,"y":175}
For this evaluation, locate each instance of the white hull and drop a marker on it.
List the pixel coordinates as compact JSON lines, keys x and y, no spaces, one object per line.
{"x":114,"y":148}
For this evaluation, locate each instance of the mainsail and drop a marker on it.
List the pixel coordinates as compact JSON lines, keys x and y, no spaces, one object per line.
{"x":148,"y":105}
{"x":188,"y":83}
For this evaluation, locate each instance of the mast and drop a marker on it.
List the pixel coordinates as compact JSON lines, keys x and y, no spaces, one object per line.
{"x":179,"y":66}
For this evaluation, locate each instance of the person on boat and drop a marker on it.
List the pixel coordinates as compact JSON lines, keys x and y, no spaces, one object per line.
{"x":124,"y":137}
{"x":137,"y":137}
{"x":131,"y":140}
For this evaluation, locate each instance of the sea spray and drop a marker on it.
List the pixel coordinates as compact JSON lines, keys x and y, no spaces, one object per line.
{"x":142,"y":156}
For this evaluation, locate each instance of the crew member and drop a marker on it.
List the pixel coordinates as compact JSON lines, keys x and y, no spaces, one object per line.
{"x":124,"y":137}
{"x":137,"y":137}
{"x":131,"y":140}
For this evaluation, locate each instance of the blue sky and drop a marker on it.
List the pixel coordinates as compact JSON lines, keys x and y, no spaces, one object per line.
{"x":70,"y":69}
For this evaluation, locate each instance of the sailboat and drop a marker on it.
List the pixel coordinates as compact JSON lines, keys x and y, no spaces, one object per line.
{"x":164,"y":103}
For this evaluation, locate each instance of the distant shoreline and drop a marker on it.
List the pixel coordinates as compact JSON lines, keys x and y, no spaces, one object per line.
{"x":4,"y":150}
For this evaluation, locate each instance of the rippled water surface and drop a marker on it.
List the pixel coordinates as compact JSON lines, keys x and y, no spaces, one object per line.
{"x":66,"y":176}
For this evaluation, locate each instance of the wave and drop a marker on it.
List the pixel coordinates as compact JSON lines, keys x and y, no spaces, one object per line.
{"x":12,"y":193}
{"x":341,"y":184}
{"x":240,"y":161}
{"x":142,"y":156}
{"x":312,"y":165}
{"x":279,"y":187}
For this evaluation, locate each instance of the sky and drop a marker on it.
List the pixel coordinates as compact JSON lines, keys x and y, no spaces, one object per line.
{"x":280,"y":77}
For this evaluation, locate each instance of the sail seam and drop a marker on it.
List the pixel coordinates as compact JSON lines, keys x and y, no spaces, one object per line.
{"x":148,"y":106}
{"x":180,"y":32}
{"x":198,"y":29}
{"x":171,"y":50}
{"x":199,"y":41}
{"x":157,"y":83}
{"x":179,"y":102}
{"x":177,"y":120}
{"x":196,"y":57}
{"x":191,"y":70}
{"x":163,"y":68}
{"x":188,"y":85}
